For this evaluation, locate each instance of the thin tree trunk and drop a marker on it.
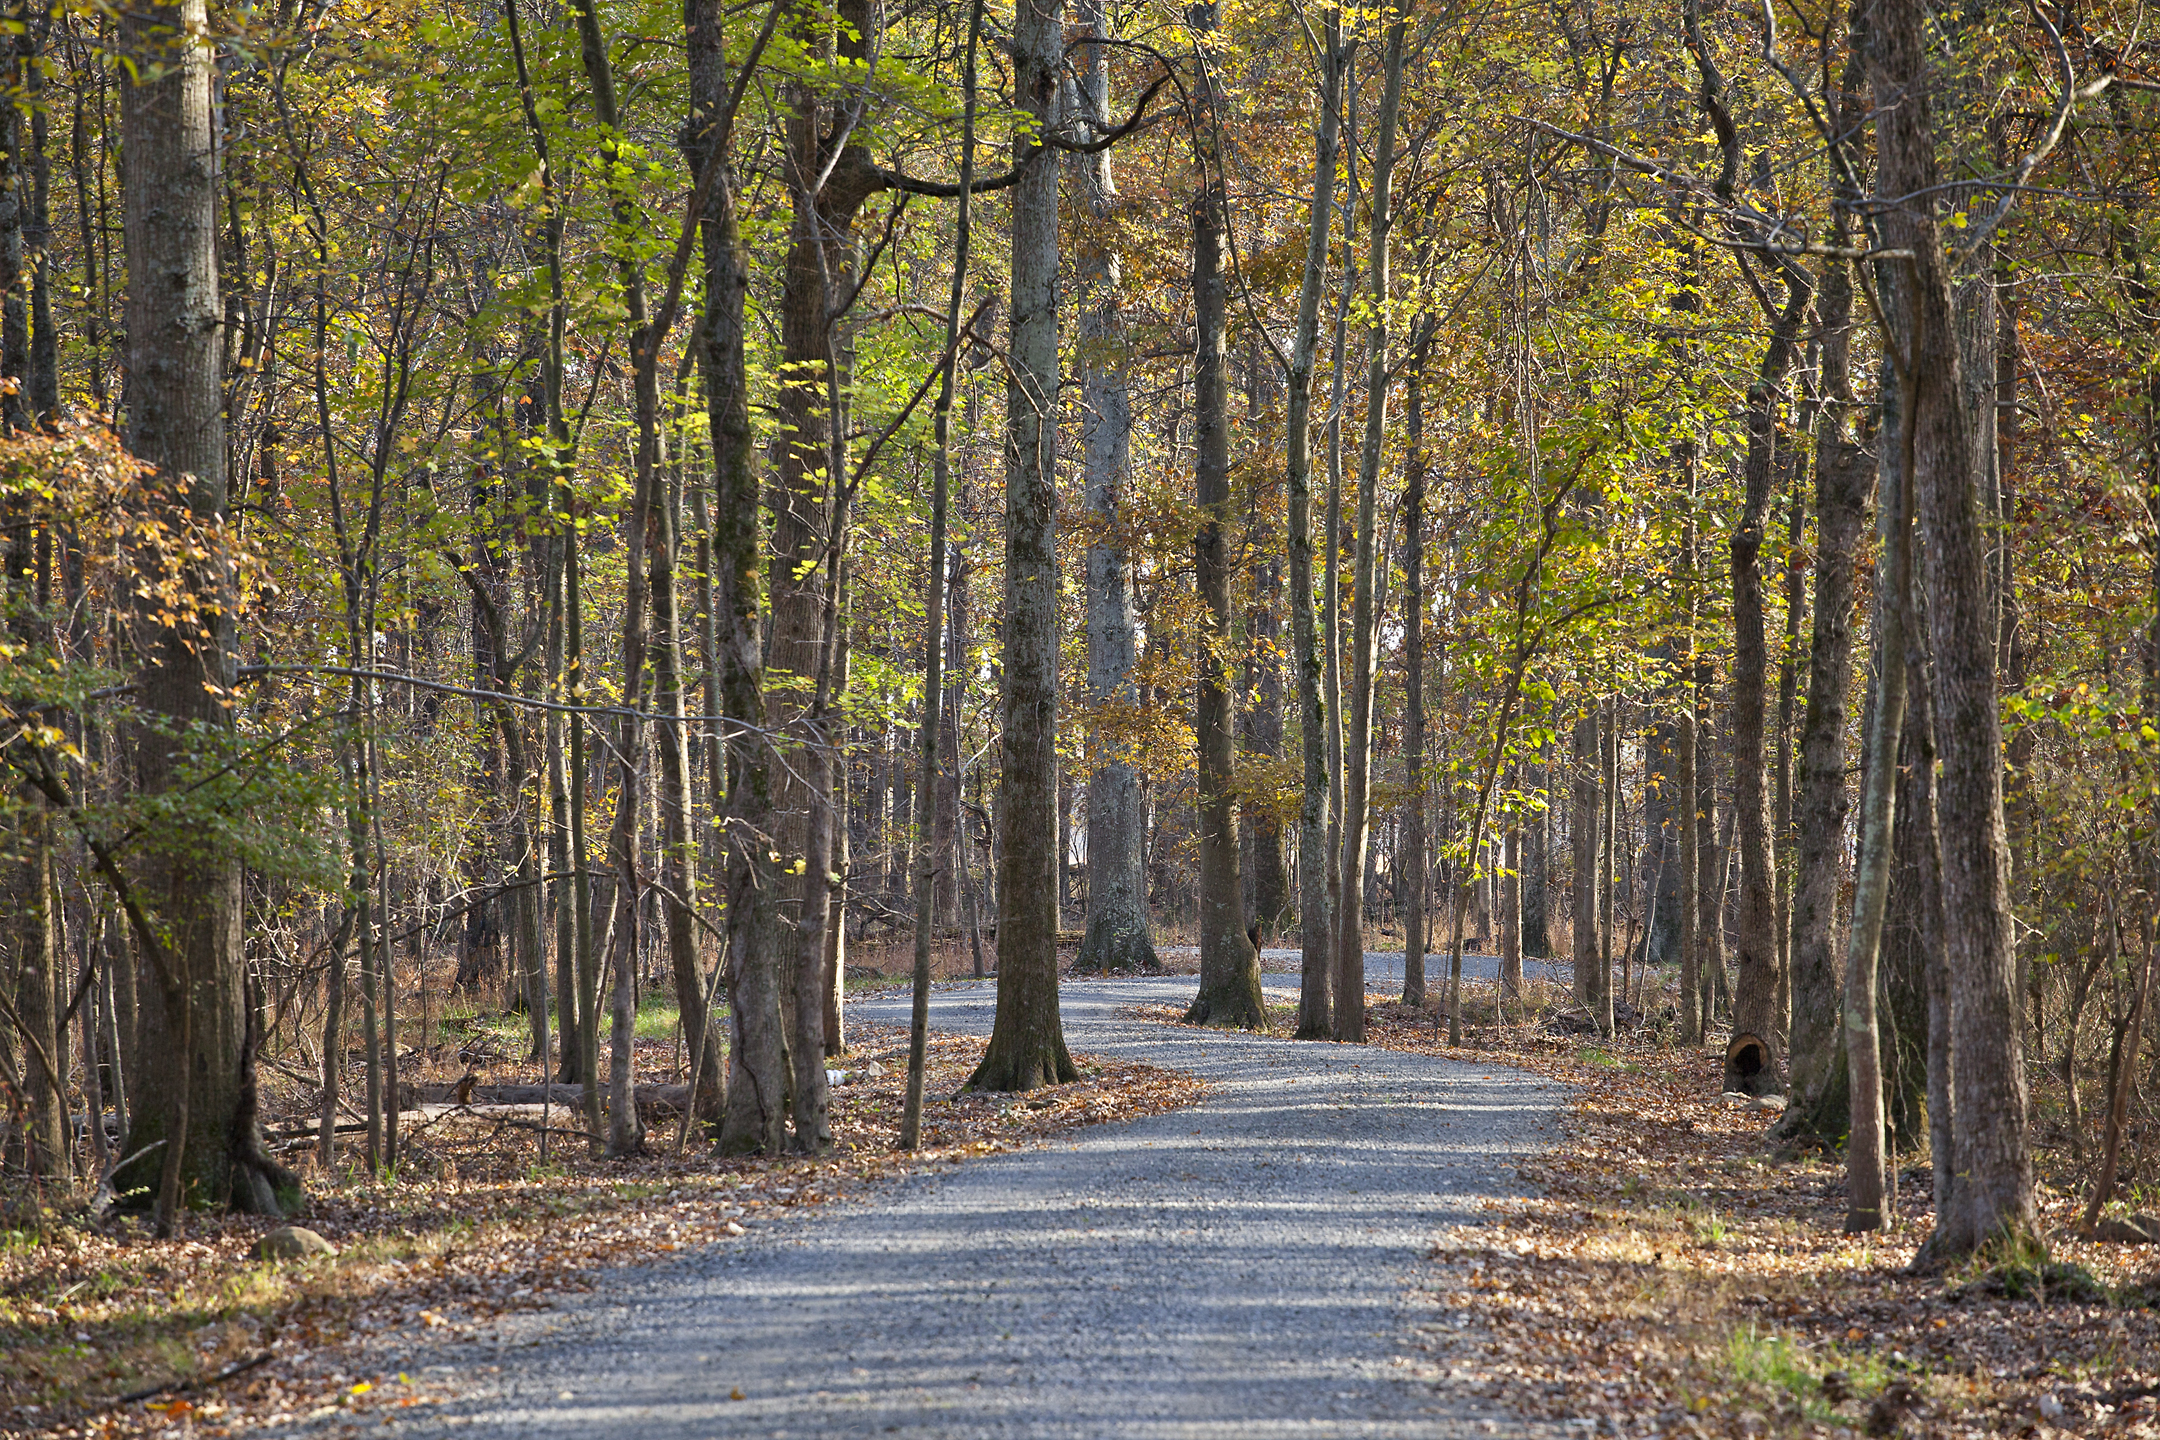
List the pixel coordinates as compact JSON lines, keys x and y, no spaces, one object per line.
{"x":1688,"y":804}
{"x":1867,"y":1151}
{"x":1585,"y":774}
{"x":1412,"y":849}
{"x":1756,"y":994}
{"x":1315,"y":706}
{"x":927,"y":853}
{"x":1357,"y":757}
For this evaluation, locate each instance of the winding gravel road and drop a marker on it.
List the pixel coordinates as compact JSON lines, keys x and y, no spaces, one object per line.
{"x":1241,"y":1269}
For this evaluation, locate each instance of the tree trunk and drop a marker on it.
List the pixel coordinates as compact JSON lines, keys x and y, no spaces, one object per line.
{"x":30,"y":894}
{"x":679,"y":859}
{"x":1229,"y":992}
{"x":193,"y":1026}
{"x":1358,"y":742}
{"x":1027,"y":1040}
{"x":927,"y":854}
{"x":1755,"y":995}
{"x":1867,"y":1167}
{"x":1584,"y":772}
{"x":1315,"y":923}
{"x":1817,"y":1112}
{"x":1537,"y":864}
{"x":1511,"y":914}
{"x":1994,"y":1192}
{"x":1687,"y":804}
{"x":626,"y":1134}
{"x":1412,"y":849}
{"x":754,"y":1117}
{"x":1709,"y":859}
{"x":1118,"y":935}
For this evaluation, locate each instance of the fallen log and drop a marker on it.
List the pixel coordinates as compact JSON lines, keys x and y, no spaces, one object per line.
{"x":653,"y":1101}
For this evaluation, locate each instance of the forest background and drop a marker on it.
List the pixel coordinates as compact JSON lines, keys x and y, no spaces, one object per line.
{"x":529,"y":507}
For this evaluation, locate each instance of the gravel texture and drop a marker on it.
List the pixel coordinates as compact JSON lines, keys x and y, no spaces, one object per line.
{"x":1237,"y":1270}
{"x":1383,"y":968}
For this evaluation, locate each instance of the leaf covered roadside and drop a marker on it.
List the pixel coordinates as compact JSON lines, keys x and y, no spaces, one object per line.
{"x":1668,"y":1277}
{"x":88,"y":1314}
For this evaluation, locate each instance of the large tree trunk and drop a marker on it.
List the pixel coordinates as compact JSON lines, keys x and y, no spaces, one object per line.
{"x":1118,"y":935}
{"x":1229,"y":992}
{"x":828,"y":179}
{"x":1027,"y":1040}
{"x":193,"y":1097}
{"x":753,"y":1107}
{"x":1994,"y":1192}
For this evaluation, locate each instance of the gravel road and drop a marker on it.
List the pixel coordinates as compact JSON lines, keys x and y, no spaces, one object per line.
{"x":1236,"y":1270}
{"x":1383,"y":968}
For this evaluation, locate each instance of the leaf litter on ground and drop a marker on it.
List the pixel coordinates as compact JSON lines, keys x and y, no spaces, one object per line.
{"x":474,"y":1228}
{"x":1667,"y":1277}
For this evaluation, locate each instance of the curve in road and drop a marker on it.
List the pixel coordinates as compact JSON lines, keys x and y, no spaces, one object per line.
{"x":1241,"y":1269}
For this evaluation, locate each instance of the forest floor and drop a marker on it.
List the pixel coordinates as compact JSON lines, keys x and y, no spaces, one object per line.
{"x":108,"y":1331}
{"x":1656,"y":1272}
{"x":1242,"y":1268}
{"x":1670,"y":1278}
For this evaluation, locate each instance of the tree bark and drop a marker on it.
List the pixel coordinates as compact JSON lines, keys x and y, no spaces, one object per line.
{"x":1118,"y":933}
{"x":193,"y":1027}
{"x":1027,"y":1039}
{"x":1710,"y":860}
{"x":1315,"y":922}
{"x":1867,"y":1151}
{"x":1229,"y":991}
{"x":754,"y":1117}
{"x":1755,"y":995}
{"x":1585,"y":773}
{"x":1357,"y":755}
{"x":1816,"y":1112}
{"x":927,"y":853}
{"x":1411,"y":862}
{"x":1994,"y":1192}
{"x":1687,"y":805}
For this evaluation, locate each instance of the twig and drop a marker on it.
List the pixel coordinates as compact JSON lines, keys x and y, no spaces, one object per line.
{"x":187,"y":1387}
